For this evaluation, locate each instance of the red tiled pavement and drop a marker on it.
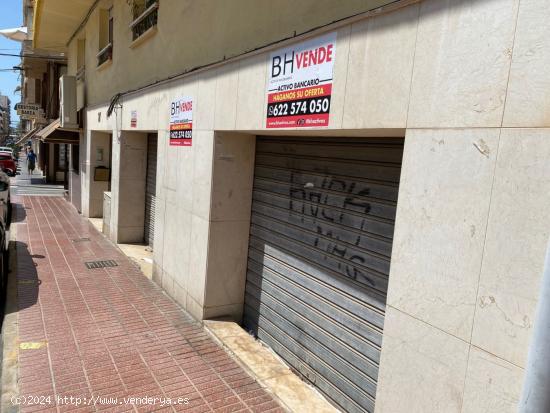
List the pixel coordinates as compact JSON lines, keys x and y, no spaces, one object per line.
{"x":110,"y":332}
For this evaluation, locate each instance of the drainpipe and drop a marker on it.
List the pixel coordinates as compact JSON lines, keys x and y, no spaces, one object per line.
{"x":535,"y":397}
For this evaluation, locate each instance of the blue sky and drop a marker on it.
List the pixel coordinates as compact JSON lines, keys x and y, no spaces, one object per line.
{"x":10,"y":16}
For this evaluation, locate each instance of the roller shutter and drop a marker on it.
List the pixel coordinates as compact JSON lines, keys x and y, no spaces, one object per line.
{"x":150,"y":189}
{"x":321,"y":234}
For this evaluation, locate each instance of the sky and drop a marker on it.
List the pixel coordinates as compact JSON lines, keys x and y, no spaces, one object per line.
{"x":10,"y":16}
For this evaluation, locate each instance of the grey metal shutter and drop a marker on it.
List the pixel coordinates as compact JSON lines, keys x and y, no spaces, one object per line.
{"x":150,"y":189}
{"x":321,"y":233}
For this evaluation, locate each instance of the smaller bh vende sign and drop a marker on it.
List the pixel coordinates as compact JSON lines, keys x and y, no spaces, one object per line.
{"x":181,"y":122}
{"x":299,"y":87}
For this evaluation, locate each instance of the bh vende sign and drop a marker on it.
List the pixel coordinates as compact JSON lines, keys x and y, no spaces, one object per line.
{"x":299,"y":86}
{"x":181,"y":122}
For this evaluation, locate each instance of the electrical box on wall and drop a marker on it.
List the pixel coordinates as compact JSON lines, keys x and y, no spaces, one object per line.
{"x":67,"y":102}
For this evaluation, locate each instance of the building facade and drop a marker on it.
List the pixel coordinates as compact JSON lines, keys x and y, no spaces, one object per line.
{"x":5,"y":117}
{"x":41,"y":70}
{"x":363,"y":185}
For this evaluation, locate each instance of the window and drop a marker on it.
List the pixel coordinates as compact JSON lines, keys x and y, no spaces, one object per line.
{"x":80,"y":58}
{"x":105,"y":36}
{"x":145,"y":17}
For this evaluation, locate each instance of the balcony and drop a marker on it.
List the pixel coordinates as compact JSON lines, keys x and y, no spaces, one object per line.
{"x":105,"y":55}
{"x":146,"y":21}
{"x":80,"y":87}
{"x":80,"y":74}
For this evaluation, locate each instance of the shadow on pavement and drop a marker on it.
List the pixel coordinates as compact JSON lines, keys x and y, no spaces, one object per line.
{"x":23,"y":287}
{"x":28,"y":283}
{"x":20,"y":216}
{"x":21,"y":272}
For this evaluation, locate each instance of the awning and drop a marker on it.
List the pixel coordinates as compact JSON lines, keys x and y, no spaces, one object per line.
{"x":18,"y":33}
{"x":53,"y":133}
{"x":27,"y":136}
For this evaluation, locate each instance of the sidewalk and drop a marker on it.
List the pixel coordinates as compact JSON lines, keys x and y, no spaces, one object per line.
{"x":35,"y":184}
{"x":110,"y":332}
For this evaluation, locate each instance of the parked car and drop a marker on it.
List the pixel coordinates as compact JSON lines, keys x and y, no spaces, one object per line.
{"x":10,"y":150}
{"x":5,"y":221}
{"x":7,"y":163}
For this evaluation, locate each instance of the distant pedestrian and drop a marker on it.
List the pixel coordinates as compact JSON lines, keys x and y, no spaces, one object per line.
{"x":31,"y":161}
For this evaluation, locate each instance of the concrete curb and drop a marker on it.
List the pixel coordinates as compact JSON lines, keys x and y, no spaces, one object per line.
{"x":10,"y":354}
{"x":267,"y":368}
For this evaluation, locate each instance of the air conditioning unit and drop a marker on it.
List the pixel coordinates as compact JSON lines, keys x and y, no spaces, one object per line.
{"x":67,"y":102}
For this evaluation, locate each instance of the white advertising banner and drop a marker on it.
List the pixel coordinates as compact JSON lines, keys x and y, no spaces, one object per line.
{"x":299,"y":86}
{"x":181,"y":122}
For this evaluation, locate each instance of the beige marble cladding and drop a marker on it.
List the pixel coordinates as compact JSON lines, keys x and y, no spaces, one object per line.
{"x":182,"y":220}
{"x":227,"y":83}
{"x":231,"y":197}
{"x":146,"y":112}
{"x":339,"y":75}
{"x":517,"y":234}
{"x":461,"y":64}
{"x":442,"y":211}
{"x":492,"y":385}
{"x":158,"y":247}
{"x":251,"y":99}
{"x":187,"y":163}
{"x":528,"y":100}
{"x":205,"y":224}
{"x":378,"y":83}
{"x":200,"y":181}
{"x":195,"y":279}
{"x":203,"y":119}
{"x":226,"y":274}
{"x":96,"y":143}
{"x":422,"y":369}
{"x":233,"y":169}
{"x":128,"y":183}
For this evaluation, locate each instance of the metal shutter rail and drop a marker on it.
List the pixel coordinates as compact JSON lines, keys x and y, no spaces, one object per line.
{"x":150,"y":189}
{"x":321,"y":231}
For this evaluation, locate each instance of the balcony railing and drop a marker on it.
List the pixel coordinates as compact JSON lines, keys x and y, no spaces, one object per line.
{"x":105,"y":54}
{"x":145,"y":20}
{"x":80,"y":73}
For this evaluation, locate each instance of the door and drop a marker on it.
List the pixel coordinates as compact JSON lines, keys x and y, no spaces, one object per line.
{"x":321,"y":234}
{"x":150,"y":189}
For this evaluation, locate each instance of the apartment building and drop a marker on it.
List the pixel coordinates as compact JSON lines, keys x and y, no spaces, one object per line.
{"x":5,"y":117}
{"x":41,"y":70}
{"x":363,"y":185}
